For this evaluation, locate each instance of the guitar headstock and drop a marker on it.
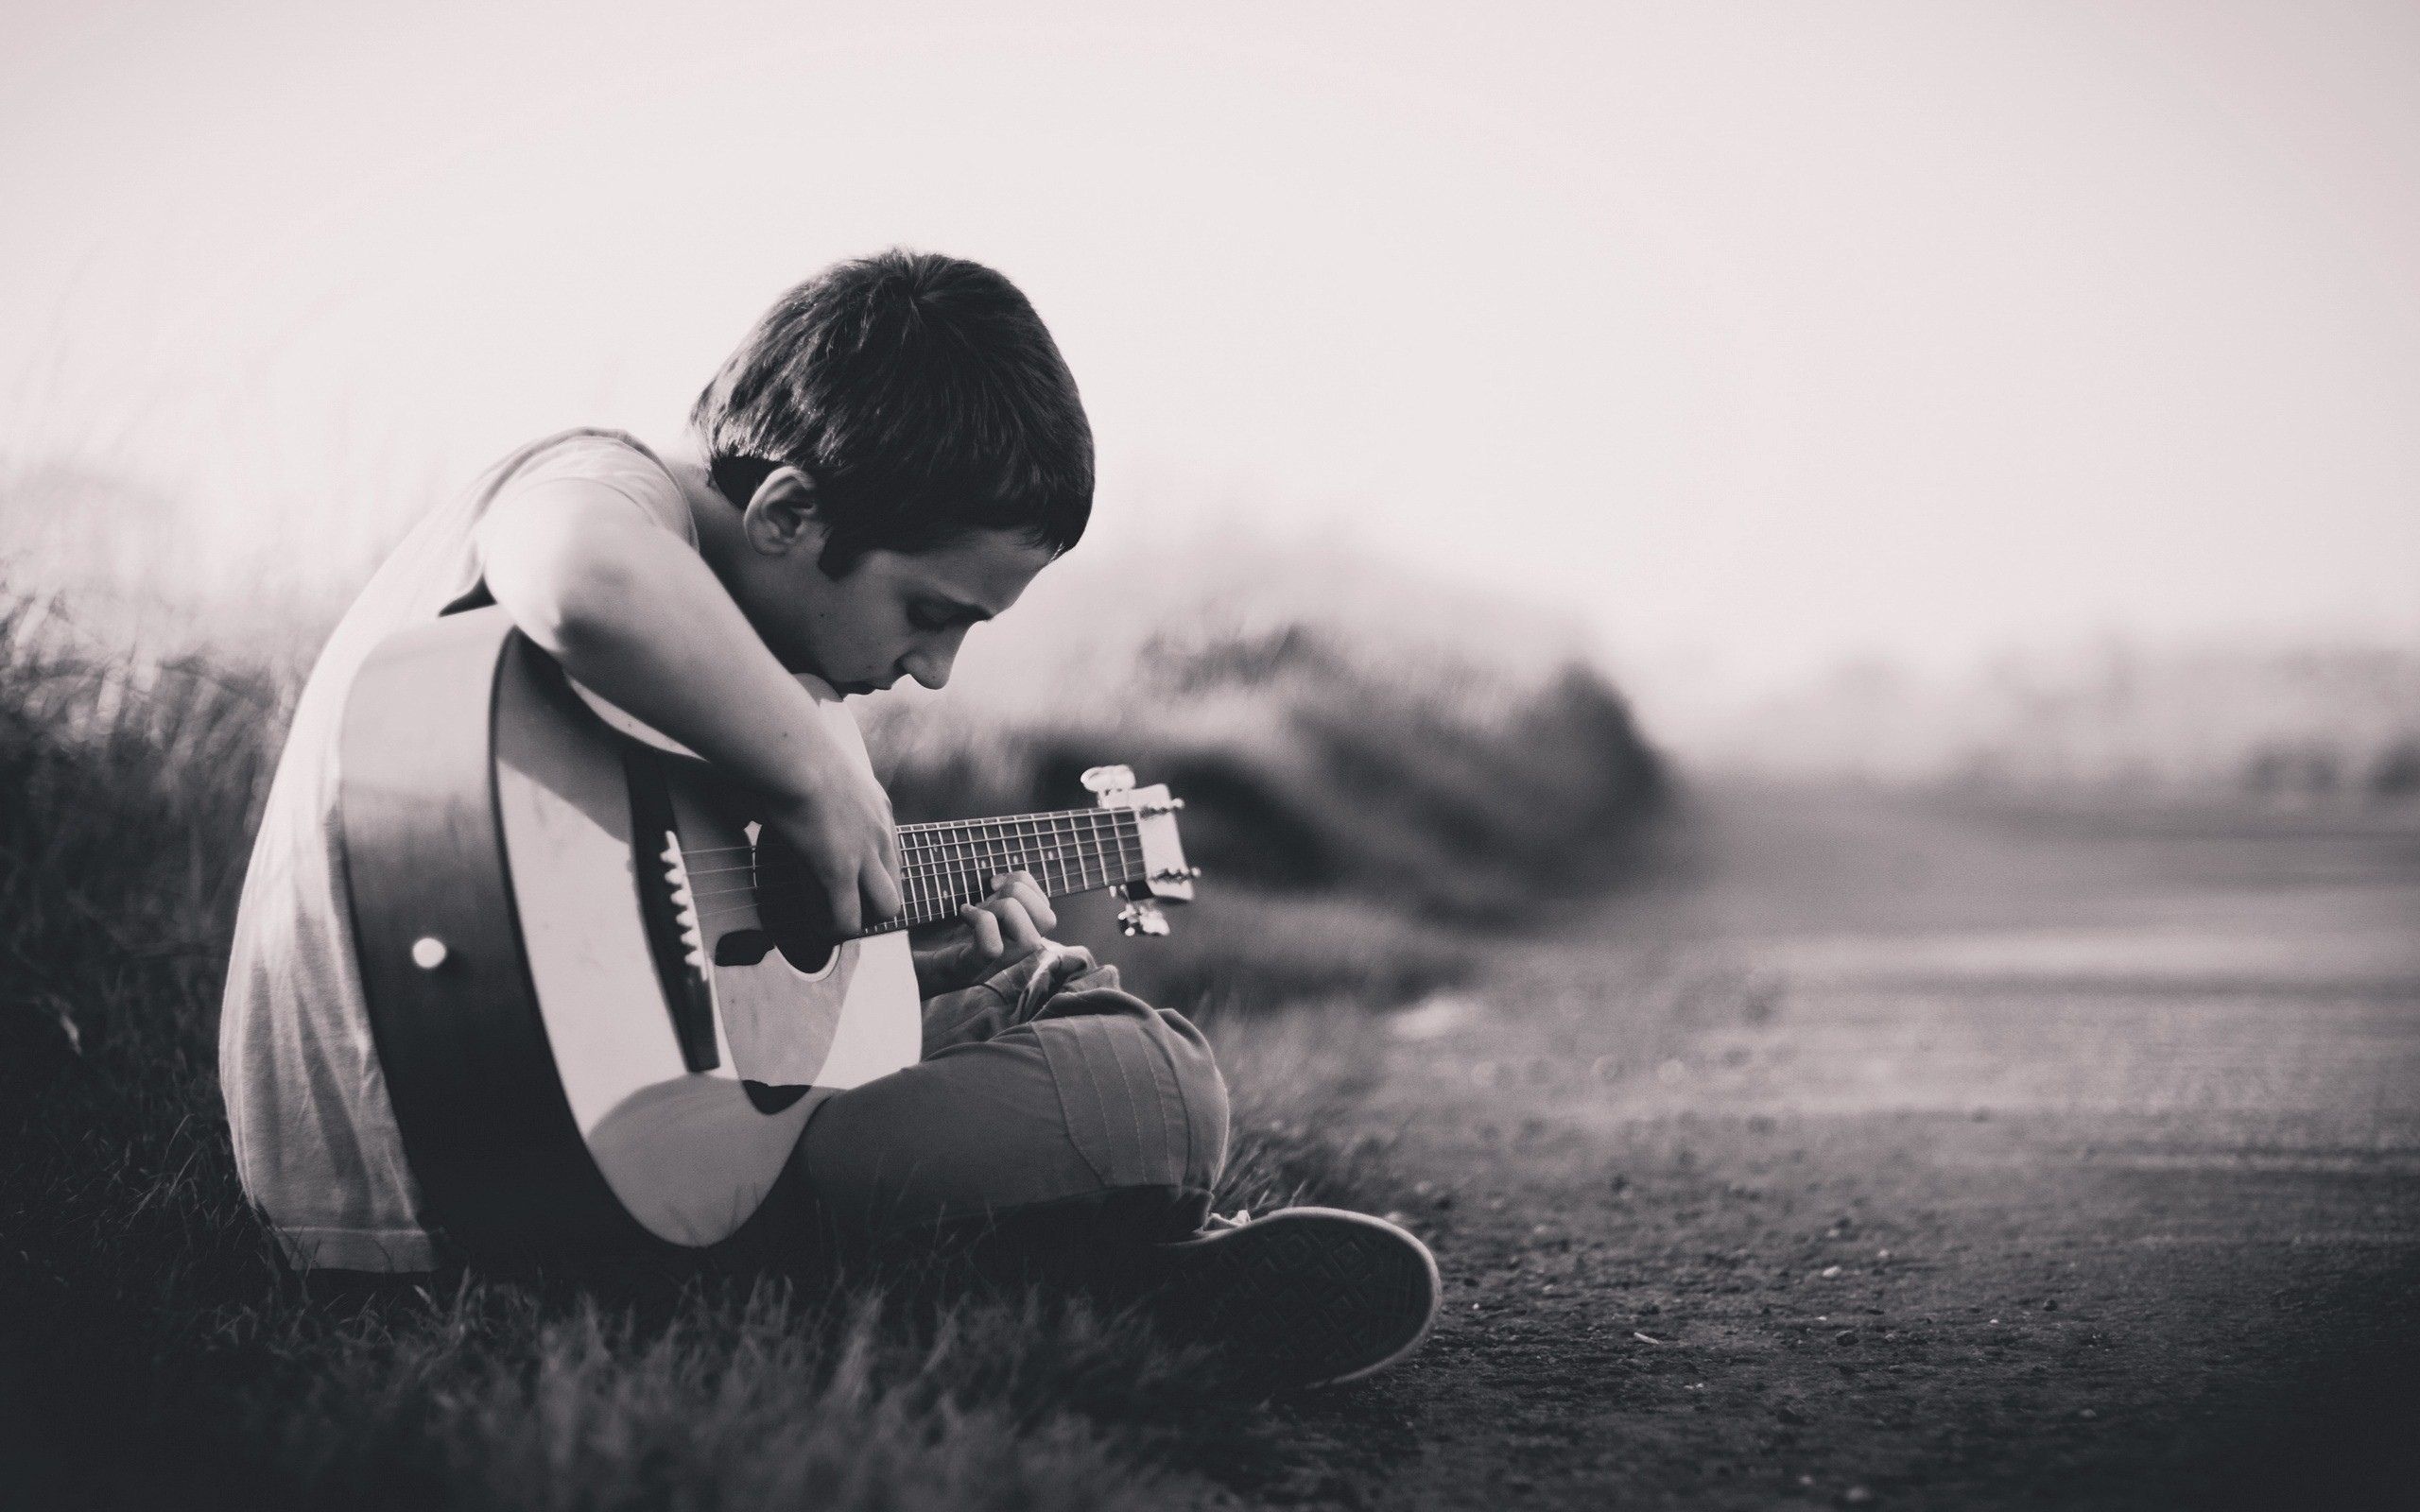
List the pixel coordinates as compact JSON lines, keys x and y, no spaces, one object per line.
{"x":1165,"y":875}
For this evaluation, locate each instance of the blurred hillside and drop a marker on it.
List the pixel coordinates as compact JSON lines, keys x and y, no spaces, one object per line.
{"x":1372,"y":761}
{"x":2279,"y":723}
{"x":1310,"y":763}
{"x":1333,"y":722}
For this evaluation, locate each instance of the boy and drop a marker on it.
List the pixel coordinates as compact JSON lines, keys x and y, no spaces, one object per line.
{"x":889,"y":458}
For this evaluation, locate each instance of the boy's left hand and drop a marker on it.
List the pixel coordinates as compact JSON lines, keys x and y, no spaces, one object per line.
{"x":1004,"y":928}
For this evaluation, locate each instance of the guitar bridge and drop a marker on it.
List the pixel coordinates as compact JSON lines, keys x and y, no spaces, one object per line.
{"x":669,"y":910}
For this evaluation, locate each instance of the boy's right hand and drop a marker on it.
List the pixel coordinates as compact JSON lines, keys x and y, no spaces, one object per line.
{"x":843,"y":833}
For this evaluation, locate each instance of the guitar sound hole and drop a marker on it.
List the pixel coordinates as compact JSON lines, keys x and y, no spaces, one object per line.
{"x":788,"y":895}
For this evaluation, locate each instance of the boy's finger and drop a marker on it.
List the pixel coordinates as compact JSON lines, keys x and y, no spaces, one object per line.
{"x":1037,"y":904}
{"x":985,"y":929}
{"x":1016,"y":925}
{"x":839,"y":886}
{"x":881,"y":894}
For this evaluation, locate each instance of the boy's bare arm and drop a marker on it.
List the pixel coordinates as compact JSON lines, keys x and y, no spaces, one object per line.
{"x":634,"y":613}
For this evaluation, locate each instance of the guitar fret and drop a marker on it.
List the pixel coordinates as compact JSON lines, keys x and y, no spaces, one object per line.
{"x":1066,"y":851}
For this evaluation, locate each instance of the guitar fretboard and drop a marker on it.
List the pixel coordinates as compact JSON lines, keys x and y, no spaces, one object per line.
{"x":944,"y":866}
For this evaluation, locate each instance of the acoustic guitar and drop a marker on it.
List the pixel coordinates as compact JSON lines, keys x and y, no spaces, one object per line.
{"x":601,"y":1014}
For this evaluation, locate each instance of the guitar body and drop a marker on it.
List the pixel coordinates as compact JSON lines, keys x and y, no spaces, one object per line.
{"x":591,"y":1035}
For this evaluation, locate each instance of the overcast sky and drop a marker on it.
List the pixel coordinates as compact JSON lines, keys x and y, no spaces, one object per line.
{"x":1759,"y":336}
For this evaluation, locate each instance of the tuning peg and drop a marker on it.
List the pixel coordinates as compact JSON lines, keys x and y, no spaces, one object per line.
{"x":1142,"y":917}
{"x":1105,"y":780}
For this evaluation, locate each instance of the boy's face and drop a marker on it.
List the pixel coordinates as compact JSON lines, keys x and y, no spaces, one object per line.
{"x":892,"y":616}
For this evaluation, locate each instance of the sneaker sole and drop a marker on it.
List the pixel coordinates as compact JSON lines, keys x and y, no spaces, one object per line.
{"x":1304,"y":1297}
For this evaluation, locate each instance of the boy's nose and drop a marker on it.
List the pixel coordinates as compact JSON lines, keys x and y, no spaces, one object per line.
{"x":929,"y":663}
{"x":930,"y":668}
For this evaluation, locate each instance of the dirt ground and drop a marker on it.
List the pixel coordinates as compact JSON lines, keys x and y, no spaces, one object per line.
{"x":1915,"y":1155}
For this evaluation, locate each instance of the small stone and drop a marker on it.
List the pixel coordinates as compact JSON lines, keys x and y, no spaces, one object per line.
{"x":1790,"y":1415}
{"x":1829,"y":1271}
{"x":2050,"y":1306}
{"x":1857,"y":1496}
{"x":1845,"y":1336}
{"x":2087,"y":1414}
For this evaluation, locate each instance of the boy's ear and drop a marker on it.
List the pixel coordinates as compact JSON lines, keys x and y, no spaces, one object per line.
{"x":784,"y":514}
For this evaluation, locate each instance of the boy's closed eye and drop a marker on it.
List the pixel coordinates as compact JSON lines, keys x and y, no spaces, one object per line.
{"x":943,"y":614}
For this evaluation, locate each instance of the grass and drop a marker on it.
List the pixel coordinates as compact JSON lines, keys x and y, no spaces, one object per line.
{"x":153,"y":1350}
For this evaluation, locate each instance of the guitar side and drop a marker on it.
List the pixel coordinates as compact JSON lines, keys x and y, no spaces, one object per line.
{"x":485,"y":1124}
{"x":528,"y":1018}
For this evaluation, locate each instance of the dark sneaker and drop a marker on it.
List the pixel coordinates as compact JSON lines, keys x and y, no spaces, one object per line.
{"x":1303,"y":1296}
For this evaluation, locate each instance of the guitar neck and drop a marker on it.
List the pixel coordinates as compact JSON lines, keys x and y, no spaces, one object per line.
{"x":944,"y":867}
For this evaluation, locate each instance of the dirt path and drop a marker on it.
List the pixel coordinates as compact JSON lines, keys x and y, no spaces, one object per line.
{"x":1923,"y":1157}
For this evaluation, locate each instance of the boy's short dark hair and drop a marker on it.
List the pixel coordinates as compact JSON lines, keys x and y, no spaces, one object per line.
{"x":921,"y":394}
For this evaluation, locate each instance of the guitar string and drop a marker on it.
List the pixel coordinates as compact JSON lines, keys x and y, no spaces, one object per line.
{"x":971,"y":854}
{"x":922,"y":912}
{"x":911,"y":868}
{"x":973,"y":828}
{"x":978,"y":877}
{"x":1041,"y":862}
{"x":977,"y":852}
{"x":947,"y":864}
{"x":929,"y":863}
{"x":930,"y":848}
{"x":916,"y":914}
{"x":925,"y":844}
{"x":908,"y":917}
{"x":922,"y":855}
